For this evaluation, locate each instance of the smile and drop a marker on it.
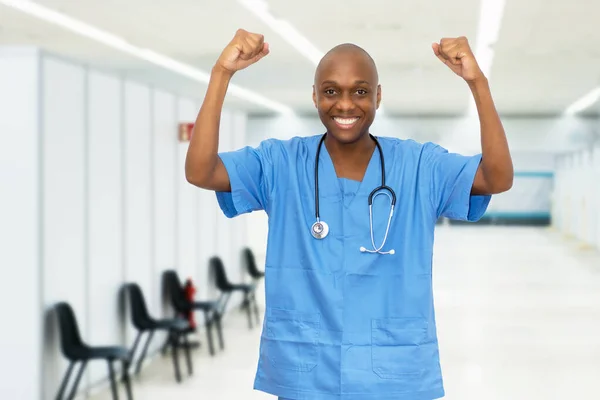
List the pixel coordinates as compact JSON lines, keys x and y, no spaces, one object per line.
{"x":345,"y":123}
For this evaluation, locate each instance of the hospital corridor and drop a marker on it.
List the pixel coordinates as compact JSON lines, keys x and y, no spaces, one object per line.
{"x":516,"y":321}
{"x":336,"y":200}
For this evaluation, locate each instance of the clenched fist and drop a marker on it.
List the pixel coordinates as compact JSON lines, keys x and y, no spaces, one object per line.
{"x":244,"y":49}
{"x":458,"y":56}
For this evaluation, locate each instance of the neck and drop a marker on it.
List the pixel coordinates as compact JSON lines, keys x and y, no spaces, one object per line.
{"x":350,"y":160}
{"x":350,"y":151}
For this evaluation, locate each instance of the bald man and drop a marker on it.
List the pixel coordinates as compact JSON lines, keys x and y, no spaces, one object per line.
{"x":349,"y":302}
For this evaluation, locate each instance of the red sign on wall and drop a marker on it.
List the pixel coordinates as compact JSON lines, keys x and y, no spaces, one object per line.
{"x":185,"y":131}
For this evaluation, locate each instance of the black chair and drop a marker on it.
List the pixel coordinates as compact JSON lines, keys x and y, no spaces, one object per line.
{"x":177,"y":329}
{"x":181,"y":305}
{"x":75,"y":350}
{"x":227,"y":288}
{"x":251,"y":266}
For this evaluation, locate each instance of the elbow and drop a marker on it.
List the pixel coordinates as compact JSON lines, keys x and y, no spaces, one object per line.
{"x":502,"y":185}
{"x":194,"y":178}
{"x":199,"y":175}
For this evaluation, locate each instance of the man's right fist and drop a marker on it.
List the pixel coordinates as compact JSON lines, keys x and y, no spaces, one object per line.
{"x":245,"y":49}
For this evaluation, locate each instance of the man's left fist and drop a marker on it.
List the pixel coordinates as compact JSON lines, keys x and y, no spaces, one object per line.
{"x":458,"y":56}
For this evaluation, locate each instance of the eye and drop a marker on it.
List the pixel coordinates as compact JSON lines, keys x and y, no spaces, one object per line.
{"x":361,"y":92}
{"x":330,"y":92}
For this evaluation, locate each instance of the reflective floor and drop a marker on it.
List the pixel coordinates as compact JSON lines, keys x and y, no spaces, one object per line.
{"x":518,"y":314}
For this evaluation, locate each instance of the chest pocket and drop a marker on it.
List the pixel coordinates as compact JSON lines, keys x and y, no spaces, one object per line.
{"x":398,"y":347}
{"x":291,"y":339}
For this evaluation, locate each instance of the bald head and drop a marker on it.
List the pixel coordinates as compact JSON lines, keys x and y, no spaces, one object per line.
{"x":347,"y":88}
{"x":347,"y":52}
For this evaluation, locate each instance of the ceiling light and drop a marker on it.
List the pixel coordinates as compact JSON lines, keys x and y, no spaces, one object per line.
{"x":584,"y":102}
{"x":286,"y":30}
{"x":116,"y":42}
{"x":490,"y":21}
{"x":260,"y":8}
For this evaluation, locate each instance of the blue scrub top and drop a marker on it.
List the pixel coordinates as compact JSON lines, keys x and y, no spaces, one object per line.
{"x":339,"y":323}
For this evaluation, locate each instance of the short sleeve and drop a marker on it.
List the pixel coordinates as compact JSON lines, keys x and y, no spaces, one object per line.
{"x":249,"y":169}
{"x":450,"y":180}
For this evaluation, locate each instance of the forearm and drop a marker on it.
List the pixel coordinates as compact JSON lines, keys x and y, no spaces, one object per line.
{"x":202,"y":154}
{"x":496,"y":164}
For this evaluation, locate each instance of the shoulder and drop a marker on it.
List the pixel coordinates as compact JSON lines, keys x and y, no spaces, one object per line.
{"x":276,"y":149}
{"x":409,"y":148}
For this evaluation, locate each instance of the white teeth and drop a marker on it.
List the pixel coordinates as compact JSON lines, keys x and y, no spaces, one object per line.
{"x":345,"y":121}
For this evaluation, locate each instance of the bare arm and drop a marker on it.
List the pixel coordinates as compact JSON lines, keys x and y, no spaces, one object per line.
{"x":495,"y":173}
{"x":203,"y":166}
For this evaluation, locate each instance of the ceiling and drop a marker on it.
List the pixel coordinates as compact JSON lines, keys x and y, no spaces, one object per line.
{"x":546,"y":55}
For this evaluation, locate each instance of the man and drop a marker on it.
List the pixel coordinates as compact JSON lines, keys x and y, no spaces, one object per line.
{"x":349,"y":309}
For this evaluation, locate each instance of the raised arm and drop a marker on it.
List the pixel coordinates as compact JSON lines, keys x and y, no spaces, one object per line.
{"x":203,"y":166}
{"x":495,"y":173}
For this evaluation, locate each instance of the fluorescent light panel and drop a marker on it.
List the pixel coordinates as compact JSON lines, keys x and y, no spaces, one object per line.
{"x":116,"y":42}
{"x":584,"y":102}
{"x":491,"y":13}
{"x":260,"y":8}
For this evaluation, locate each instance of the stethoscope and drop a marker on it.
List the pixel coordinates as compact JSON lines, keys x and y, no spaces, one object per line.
{"x":320,"y":229}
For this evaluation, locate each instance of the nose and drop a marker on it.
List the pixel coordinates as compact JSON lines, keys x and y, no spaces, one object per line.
{"x":345,"y":102}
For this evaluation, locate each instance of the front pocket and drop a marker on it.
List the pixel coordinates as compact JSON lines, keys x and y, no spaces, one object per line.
{"x":291,"y":339}
{"x":395,"y":347}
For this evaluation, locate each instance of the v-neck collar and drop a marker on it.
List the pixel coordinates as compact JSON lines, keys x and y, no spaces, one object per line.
{"x":327,"y":174}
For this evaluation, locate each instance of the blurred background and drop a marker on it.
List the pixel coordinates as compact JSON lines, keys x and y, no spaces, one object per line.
{"x":96,"y":102}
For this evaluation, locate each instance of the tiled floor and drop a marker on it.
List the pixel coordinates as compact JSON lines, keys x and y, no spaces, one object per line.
{"x":518,"y":318}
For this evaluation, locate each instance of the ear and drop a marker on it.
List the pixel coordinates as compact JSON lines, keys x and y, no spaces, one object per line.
{"x":378,"y":95}
{"x":314,"y":96}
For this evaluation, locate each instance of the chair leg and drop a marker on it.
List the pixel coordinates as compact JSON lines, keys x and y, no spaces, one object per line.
{"x":165,"y":346}
{"x":77,"y":380}
{"x":135,"y":345}
{"x":113,"y":382}
{"x":248,"y":310}
{"x":187,"y":353}
{"x":209,"y":339}
{"x":144,"y":352}
{"x":219,"y":330}
{"x":127,"y":380}
{"x":175,"y":355}
{"x":63,"y":385}
{"x":255,"y":309}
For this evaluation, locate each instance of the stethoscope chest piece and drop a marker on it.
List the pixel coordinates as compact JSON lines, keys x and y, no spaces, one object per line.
{"x":319,"y":229}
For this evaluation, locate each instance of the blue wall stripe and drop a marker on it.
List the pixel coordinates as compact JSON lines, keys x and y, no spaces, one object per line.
{"x":517,"y":214}
{"x":534,"y":174}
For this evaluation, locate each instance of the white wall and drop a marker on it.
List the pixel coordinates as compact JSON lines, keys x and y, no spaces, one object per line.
{"x":138,"y":176}
{"x":97,"y":197}
{"x":20,"y":173}
{"x":577,"y":196}
{"x":104,"y":183}
{"x":65,"y":242}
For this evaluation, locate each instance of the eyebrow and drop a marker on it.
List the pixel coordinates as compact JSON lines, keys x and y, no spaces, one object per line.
{"x":330,"y":82}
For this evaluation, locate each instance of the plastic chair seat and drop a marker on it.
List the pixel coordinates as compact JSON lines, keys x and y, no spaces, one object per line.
{"x":242,"y":287}
{"x":204,"y":305}
{"x":101,"y":352}
{"x":180,"y":325}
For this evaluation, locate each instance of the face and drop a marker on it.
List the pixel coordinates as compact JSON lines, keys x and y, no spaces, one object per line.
{"x":346,"y":95}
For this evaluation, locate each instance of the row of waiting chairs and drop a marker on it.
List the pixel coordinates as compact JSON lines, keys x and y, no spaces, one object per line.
{"x":77,"y":351}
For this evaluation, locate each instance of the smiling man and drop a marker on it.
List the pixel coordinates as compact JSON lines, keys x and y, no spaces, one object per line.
{"x":349,"y":302}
